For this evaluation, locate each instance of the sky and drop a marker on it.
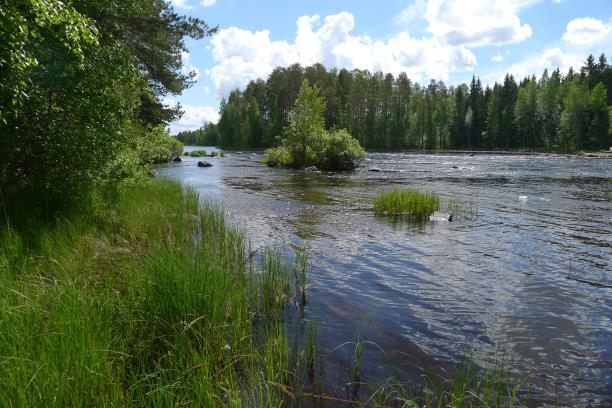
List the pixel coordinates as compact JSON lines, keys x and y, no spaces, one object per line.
{"x":448,"y":40}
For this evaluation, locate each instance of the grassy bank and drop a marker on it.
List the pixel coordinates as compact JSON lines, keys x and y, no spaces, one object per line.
{"x":156,"y":302}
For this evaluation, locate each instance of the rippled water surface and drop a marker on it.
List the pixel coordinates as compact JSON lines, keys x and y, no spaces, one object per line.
{"x":492,"y":283}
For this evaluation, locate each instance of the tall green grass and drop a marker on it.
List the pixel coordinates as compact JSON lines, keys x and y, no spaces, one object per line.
{"x":406,"y":202}
{"x":155,"y":304}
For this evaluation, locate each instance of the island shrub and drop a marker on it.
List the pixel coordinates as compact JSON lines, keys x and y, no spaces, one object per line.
{"x":306,"y":142}
{"x":341,"y":151}
{"x":406,"y":202}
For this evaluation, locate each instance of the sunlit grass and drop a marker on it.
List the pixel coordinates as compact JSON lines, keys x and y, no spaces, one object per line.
{"x":406,"y":202}
{"x":157,"y":303}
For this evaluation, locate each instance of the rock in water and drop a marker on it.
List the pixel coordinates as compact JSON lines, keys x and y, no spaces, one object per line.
{"x":374,"y":169}
{"x":152,"y":173}
{"x":311,"y":168}
{"x":177,"y":159}
{"x":204,"y":164}
{"x":440,"y":216}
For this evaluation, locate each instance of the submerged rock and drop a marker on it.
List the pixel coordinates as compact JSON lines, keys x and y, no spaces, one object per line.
{"x":375,"y":169}
{"x":204,"y":164}
{"x":440,"y":216}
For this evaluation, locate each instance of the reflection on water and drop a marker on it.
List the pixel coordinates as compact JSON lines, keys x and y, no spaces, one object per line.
{"x":492,"y":283}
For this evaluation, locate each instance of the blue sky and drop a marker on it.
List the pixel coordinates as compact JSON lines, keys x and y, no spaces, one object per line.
{"x":441,"y":39}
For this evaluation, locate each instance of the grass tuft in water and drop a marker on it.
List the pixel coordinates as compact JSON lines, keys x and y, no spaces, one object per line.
{"x":406,"y":202}
{"x":198,"y":153}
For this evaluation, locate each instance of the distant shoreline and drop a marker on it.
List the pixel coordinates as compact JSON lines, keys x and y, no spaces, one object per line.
{"x":590,"y":155}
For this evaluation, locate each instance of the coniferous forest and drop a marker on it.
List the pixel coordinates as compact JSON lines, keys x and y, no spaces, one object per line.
{"x":557,"y":111}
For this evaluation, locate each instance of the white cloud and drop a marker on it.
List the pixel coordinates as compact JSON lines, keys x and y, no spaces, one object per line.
{"x":194,"y":116}
{"x":481,"y":22}
{"x":550,"y":59}
{"x":586,"y":31}
{"x":242,"y":55}
{"x":182,"y":4}
{"x":208,"y":3}
{"x":411,"y":13}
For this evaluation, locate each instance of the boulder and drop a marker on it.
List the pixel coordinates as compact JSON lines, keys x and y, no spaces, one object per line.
{"x":440,"y":216}
{"x":177,"y":159}
{"x":152,"y":173}
{"x":311,"y":168}
{"x":204,"y":164}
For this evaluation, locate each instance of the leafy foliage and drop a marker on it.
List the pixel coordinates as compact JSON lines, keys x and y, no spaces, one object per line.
{"x":305,"y":142}
{"x":80,"y":89}
{"x":207,"y":135}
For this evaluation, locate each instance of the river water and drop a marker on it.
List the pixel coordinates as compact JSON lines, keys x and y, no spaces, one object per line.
{"x":492,"y":284}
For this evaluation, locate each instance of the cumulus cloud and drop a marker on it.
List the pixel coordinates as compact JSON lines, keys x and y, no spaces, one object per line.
{"x":208,"y":3}
{"x":194,"y":116}
{"x":242,"y":55}
{"x":586,"y":31}
{"x":481,"y":22}
{"x":550,"y":59}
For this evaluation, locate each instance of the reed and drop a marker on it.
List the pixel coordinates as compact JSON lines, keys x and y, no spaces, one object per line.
{"x":406,"y":202}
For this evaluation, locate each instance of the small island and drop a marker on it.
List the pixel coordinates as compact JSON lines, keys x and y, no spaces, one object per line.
{"x":305,"y":142}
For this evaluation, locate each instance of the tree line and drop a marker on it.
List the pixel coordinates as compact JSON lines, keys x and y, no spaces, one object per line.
{"x":564,"y":112}
{"x":81,"y":84}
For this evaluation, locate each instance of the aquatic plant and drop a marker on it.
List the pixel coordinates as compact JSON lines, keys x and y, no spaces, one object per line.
{"x":198,"y":153}
{"x":459,"y":208}
{"x":406,"y":202}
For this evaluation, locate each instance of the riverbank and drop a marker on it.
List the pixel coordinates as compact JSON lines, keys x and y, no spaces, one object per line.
{"x":152,"y":301}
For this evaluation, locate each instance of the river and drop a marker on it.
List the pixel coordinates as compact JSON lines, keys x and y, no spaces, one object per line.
{"x":492,"y":284}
